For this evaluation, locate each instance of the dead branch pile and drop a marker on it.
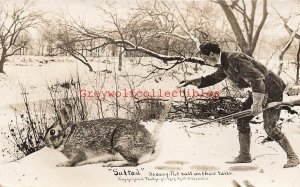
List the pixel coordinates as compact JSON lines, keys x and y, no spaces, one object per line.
{"x":198,"y":108}
{"x":206,"y":108}
{"x":293,"y":91}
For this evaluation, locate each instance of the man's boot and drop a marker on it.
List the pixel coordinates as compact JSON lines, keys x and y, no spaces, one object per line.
{"x":291,"y":155}
{"x":244,"y":155}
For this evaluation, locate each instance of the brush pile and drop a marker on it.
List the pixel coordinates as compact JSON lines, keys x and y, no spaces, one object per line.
{"x":198,"y":108}
{"x":206,"y":108}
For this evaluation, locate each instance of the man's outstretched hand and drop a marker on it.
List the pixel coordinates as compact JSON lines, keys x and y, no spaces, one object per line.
{"x":195,"y":82}
{"x":185,"y":83}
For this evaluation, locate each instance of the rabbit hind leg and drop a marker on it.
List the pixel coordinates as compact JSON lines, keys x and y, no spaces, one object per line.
{"x":132,"y":144}
{"x":133,"y":154}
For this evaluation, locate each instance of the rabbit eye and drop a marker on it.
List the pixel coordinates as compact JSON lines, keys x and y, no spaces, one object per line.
{"x":52,"y":132}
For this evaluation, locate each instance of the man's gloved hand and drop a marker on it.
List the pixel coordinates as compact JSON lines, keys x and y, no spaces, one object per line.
{"x":256,"y":109}
{"x":195,"y":82}
{"x":257,"y":106}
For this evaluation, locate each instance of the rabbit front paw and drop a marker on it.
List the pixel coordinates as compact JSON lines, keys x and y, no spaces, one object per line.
{"x":120,"y":164}
{"x":109,"y":164}
{"x":65,"y":164}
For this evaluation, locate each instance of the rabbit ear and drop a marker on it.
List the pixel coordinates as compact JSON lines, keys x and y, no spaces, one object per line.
{"x":69,"y":108}
{"x":65,"y":114}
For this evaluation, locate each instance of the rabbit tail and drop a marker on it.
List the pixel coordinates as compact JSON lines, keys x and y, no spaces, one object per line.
{"x":163,"y":116}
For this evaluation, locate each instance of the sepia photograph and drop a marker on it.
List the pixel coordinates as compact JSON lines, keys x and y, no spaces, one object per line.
{"x":168,"y":93}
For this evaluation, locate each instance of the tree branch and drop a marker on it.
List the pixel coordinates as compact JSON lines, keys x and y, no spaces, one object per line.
{"x":260,"y":26}
{"x":286,"y":26}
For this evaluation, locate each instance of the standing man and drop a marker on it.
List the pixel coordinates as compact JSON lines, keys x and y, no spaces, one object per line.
{"x":267,"y":87}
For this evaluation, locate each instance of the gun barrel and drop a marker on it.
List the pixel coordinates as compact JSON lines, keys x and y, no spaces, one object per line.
{"x":248,"y":112}
{"x":226,"y":118}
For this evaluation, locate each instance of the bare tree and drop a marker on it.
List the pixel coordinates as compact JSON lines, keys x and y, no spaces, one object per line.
{"x":294,"y":33}
{"x":283,"y":51}
{"x":245,"y":33}
{"x":286,"y":24}
{"x":62,"y":38}
{"x":298,"y":64}
{"x":162,"y":30}
{"x":14,"y":25}
{"x":179,"y":28}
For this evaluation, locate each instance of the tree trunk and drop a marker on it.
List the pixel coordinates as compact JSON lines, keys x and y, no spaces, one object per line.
{"x":235,"y":27}
{"x":246,"y":46}
{"x":196,"y":68}
{"x":2,"y":66}
{"x":2,"y":60}
{"x":298,"y":65}
{"x":120,"y":59}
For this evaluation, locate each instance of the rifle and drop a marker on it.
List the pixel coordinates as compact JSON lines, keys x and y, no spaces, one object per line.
{"x":248,"y":112}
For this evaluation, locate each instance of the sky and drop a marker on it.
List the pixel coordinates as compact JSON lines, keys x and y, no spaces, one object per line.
{"x":88,"y":10}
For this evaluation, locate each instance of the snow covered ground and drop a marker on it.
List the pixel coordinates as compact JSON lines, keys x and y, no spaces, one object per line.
{"x":188,"y":157}
{"x":204,"y":149}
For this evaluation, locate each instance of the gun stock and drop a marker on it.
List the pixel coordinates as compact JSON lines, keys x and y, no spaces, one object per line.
{"x":248,"y":112}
